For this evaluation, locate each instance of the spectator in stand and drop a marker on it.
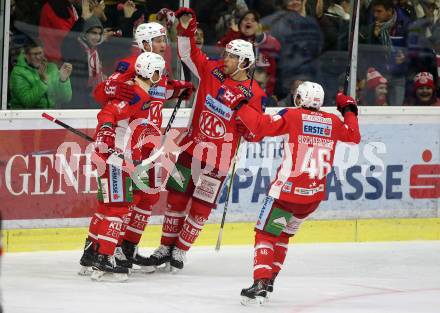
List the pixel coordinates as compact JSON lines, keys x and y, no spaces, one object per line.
{"x":266,"y":46}
{"x":375,"y":92}
{"x":262,"y":78}
{"x":56,"y":20}
{"x":37,"y":84}
{"x":81,"y":49}
{"x":423,"y":91}
{"x":301,"y":42}
{"x":390,"y":31}
{"x":289,"y":100}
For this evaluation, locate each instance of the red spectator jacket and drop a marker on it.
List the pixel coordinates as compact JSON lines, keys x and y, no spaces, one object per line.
{"x":310,"y":139}
{"x":53,"y":29}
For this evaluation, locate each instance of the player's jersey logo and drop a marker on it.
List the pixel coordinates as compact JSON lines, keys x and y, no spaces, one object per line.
{"x":211,"y":126}
{"x":157,"y":92}
{"x":218,"y":108}
{"x":317,"y":129}
{"x":122,"y":67}
{"x":155,"y":113}
{"x":218,"y":74}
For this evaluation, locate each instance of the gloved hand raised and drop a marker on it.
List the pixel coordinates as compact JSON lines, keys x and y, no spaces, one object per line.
{"x":346,"y":104}
{"x":187,"y":25}
{"x":181,"y":88}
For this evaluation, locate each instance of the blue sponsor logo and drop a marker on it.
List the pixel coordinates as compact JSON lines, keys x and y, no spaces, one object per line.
{"x":157,"y":92}
{"x":218,"y":108}
{"x":135,"y":100}
{"x":116,"y":188}
{"x":122,"y":67}
{"x":317,"y":129}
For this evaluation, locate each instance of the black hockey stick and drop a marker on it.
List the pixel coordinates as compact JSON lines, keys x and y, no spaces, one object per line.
{"x":81,"y":134}
{"x":350,"y":45}
{"x":173,"y":115}
{"x":228,"y":192}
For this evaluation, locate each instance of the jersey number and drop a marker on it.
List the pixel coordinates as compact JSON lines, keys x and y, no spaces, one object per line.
{"x":316,"y":162}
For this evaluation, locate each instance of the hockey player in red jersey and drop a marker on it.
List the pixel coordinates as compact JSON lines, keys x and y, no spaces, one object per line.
{"x":310,"y":137}
{"x":115,"y":193}
{"x":150,"y":37}
{"x":212,"y":135}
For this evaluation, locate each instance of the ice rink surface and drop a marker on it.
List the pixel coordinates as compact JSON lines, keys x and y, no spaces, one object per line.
{"x":317,"y":278}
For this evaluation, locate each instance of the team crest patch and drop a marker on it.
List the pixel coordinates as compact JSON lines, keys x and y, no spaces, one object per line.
{"x":218,"y":74}
{"x":317,"y":129}
{"x":218,"y":108}
{"x":122,"y":67}
{"x":211,"y":125}
{"x":157,"y":92}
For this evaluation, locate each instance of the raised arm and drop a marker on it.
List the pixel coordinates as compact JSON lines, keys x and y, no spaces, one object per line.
{"x":349,"y":130}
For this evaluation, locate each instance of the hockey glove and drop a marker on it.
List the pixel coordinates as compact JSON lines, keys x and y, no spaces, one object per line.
{"x":114,"y":89}
{"x":166,"y":15}
{"x":181,"y":88}
{"x":346,"y":104}
{"x":233,"y":97}
{"x":105,"y":139}
{"x":190,"y":30}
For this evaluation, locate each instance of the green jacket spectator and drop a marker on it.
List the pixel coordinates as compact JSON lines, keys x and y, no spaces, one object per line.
{"x":36,"y":84}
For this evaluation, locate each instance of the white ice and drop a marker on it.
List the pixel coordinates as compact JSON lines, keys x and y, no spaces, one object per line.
{"x":317,"y":278}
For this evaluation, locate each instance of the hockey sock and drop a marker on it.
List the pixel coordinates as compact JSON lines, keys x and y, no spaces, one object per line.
{"x":94,"y":227}
{"x":173,"y":218}
{"x":280,"y":252}
{"x":108,"y":234}
{"x":125,"y":221}
{"x":190,"y":231}
{"x":137,"y":223}
{"x":263,"y":255}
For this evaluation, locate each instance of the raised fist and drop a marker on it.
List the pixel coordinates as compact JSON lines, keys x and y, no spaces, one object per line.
{"x":167,"y":16}
{"x":114,"y":89}
{"x":345,"y":104}
{"x":181,"y":88}
{"x":187,"y":25}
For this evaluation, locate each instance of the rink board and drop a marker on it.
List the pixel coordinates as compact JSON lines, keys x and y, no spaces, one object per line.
{"x":240,"y":234}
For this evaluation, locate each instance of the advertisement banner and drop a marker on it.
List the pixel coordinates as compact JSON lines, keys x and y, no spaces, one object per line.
{"x":394,"y":172}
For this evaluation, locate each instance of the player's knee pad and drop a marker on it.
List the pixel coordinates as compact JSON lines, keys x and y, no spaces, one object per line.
{"x":200,"y":209}
{"x":262,"y":237}
{"x":177,"y":201}
{"x":147,"y":200}
{"x":113,"y":211}
{"x":272,"y":218}
{"x":292,"y":226}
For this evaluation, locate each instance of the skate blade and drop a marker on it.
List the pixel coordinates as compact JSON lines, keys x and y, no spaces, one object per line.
{"x":258,"y":301}
{"x":108,"y":277}
{"x":175,"y":270}
{"x":138,"y":269}
{"x":85,"y":271}
{"x":164,"y":267}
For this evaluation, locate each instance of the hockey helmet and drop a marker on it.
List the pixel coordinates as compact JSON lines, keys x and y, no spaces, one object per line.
{"x":147,"y":63}
{"x":148,"y":31}
{"x":309,"y":95}
{"x":243,"y":49}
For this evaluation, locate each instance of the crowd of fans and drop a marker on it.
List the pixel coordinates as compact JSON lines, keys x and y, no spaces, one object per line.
{"x":61,"y":49}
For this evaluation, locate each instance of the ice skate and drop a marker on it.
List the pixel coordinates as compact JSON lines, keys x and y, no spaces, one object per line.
{"x":130,"y":250}
{"x":270,"y":283}
{"x":255,"y":294}
{"x":121,"y":260}
{"x":178,"y":257}
{"x":161,"y":257}
{"x":105,"y":269}
{"x":87,"y":259}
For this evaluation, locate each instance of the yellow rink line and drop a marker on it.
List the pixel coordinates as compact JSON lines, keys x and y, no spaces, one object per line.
{"x":19,"y":240}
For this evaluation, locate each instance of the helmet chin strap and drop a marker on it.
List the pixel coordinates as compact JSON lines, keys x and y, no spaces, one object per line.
{"x":239,"y":68}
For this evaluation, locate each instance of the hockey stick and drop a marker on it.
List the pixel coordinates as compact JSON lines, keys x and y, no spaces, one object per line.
{"x":173,"y":115}
{"x":228,"y":192}
{"x":350,"y":47}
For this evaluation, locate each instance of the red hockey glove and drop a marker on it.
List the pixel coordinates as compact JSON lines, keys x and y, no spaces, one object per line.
{"x":190,"y":30}
{"x":114,"y":89}
{"x":233,"y":97}
{"x":105,"y":139}
{"x":181,"y":87}
{"x":346,"y":104}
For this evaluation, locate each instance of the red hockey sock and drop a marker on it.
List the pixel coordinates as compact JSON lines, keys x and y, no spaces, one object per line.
{"x":172,"y":224}
{"x":137,"y":223}
{"x":125,"y":221}
{"x":280,"y":252}
{"x":263,"y":255}
{"x":108,"y":234}
{"x":94,"y":227}
{"x":190,"y":231}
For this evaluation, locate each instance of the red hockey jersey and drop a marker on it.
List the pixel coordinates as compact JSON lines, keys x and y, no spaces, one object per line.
{"x":310,"y":139}
{"x":212,"y":126}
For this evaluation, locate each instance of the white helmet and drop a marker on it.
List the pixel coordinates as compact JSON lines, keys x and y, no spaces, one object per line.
{"x":148,"y":31}
{"x":244,"y":49}
{"x":311,"y":95}
{"x":147,"y":63}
